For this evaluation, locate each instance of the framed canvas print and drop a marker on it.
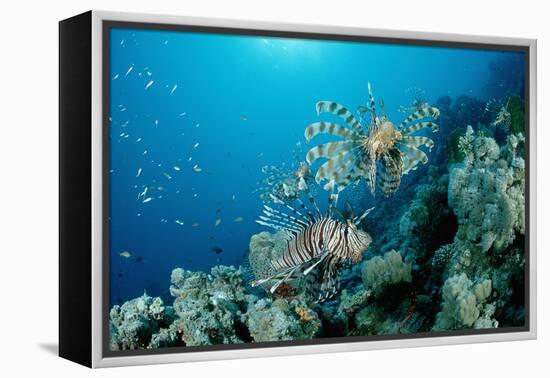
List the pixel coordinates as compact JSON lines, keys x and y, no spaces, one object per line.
{"x":234,"y":189}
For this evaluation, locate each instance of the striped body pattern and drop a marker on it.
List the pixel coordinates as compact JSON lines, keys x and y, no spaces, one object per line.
{"x":314,"y":241}
{"x":380,"y":152}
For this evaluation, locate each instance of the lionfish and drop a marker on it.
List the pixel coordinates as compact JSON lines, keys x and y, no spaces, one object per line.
{"x":314,"y":240}
{"x":284,"y":183}
{"x":377,"y":150}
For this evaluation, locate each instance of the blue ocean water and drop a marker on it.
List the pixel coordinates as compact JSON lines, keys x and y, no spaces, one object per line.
{"x":195,"y":117}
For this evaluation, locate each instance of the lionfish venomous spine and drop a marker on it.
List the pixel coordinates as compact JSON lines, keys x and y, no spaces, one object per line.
{"x":314,"y":240}
{"x":381,"y":152}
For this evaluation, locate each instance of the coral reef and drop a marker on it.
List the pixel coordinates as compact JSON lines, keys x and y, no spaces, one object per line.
{"x":209,"y":306}
{"x":448,"y":254}
{"x":463,"y":302}
{"x":264,"y":248}
{"x":486,"y":192}
{"x":133,"y":323}
{"x":379,"y":272}
{"x":270,"y":320}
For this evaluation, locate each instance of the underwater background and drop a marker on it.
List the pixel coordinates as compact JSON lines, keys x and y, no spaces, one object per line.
{"x":203,"y":125}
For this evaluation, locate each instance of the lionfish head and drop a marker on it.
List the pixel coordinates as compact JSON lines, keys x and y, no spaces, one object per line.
{"x":358,"y":241}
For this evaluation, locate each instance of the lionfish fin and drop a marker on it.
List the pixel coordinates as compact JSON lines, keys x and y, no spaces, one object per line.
{"x":269,"y":211}
{"x":426,"y":111}
{"x":372,"y":104}
{"x":296,"y":212}
{"x":280,"y":223}
{"x":322,"y":257}
{"x":286,"y":277}
{"x":339,"y":110}
{"x":412,"y":158}
{"x":417,"y":141}
{"x":332,"y":169}
{"x":328,"y":128}
{"x":389,"y":174}
{"x":328,"y":150}
{"x":330,"y":281}
{"x":359,"y":219}
{"x":419,"y":126}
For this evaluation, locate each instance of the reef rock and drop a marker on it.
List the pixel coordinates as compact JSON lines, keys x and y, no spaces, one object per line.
{"x":264,"y":248}
{"x":133,"y":323}
{"x":269,"y":320}
{"x":463,"y":302}
{"x":380,"y":272}
{"x":486,"y":192}
{"x":209,"y":306}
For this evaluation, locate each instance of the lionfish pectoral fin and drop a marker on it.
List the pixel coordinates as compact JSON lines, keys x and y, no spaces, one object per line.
{"x":323,"y":255}
{"x":285,"y":278}
{"x":331,"y":281}
{"x":280,"y":276}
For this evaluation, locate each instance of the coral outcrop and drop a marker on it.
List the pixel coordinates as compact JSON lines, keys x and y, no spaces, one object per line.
{"x":463,"y":302}
{"x":133,"y":323}
{"x":486,"y":192}
{"x":380,"y":272}
{"x":264,"y":248}
{"x":270,"y":320}
{"x":209,"y":306}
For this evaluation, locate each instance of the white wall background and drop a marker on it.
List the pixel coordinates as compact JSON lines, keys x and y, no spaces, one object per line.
{"x":28,"y":186}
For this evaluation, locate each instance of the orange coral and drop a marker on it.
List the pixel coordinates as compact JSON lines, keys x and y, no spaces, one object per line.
{"x":305,"y":314}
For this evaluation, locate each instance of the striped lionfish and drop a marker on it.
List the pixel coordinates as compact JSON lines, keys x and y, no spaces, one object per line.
{"x":284,"y":183}
{"x":380,"y":152}
{"x":314,"y":240}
